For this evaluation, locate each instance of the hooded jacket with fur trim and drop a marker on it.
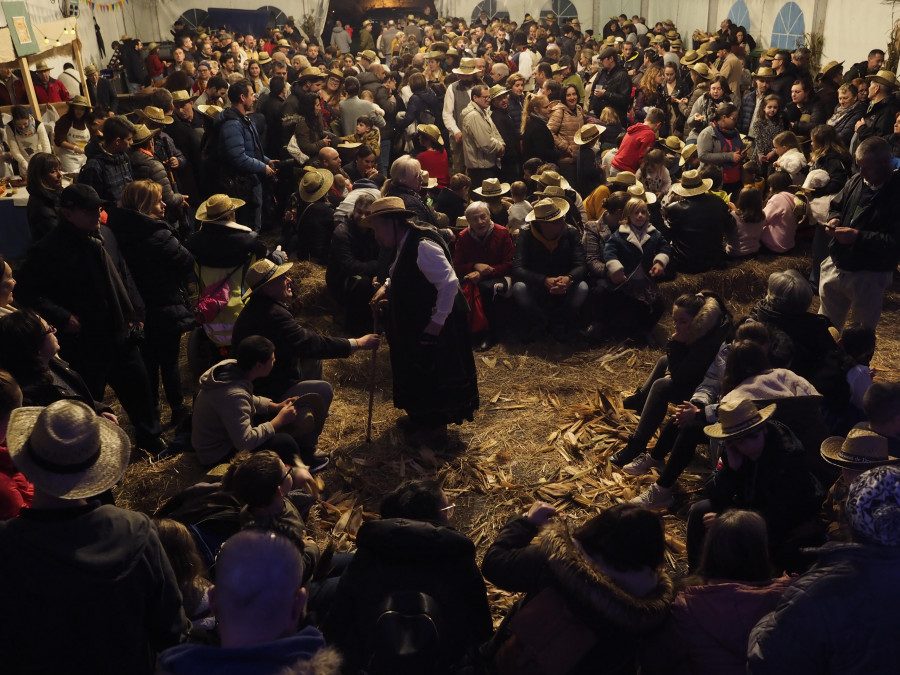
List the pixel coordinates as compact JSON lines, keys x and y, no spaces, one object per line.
{"x":689,"y":360}
{"x":620,"y":606}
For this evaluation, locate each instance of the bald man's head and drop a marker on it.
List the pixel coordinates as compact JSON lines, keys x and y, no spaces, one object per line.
{"x":330,"y":159}
{"x":257,"y":596}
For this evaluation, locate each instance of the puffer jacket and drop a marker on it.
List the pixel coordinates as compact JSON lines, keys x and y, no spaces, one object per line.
{"x":481,"y":140}
{"x":825,"y":622}
{"x":564,"y":124}
{"x":107,"y":174}
{"x":619,"y":607}
{"x":240,"y":147}
{"x":144,"y":166}
{"x":688,"y":361}
{"x":160,"y":266}
{"x":696,"y":227}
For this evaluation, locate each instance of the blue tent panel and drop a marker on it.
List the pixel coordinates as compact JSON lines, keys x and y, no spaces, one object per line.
{"x":789,"y":27}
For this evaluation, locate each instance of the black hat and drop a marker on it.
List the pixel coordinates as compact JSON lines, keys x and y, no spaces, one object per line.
{"x":81,"y":196}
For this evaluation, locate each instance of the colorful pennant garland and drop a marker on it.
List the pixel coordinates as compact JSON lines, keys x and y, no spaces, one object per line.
{"x":106,"y":6}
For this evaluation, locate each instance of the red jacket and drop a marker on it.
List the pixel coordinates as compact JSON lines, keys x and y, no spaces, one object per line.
{"x":54,"y":92}
{"x":638,"y":139}
{"x":496,"y":250}
{"x":435,"y":163}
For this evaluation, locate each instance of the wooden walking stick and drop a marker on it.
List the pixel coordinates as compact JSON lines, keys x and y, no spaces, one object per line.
{"x":372,"y":383}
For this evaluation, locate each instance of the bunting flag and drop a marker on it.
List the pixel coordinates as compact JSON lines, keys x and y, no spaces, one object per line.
{"x":106,"y":6}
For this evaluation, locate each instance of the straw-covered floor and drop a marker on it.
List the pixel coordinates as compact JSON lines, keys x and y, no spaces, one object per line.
{"x":550,"y":416}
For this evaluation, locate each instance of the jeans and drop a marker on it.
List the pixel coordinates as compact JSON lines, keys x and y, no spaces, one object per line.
{"x":384,"y":161}
{"x":657,"y":391}
{"x":680,"y":443}
{"x":540,"y":307}
{"x":307,"y":443}
{"x":696,"y":532}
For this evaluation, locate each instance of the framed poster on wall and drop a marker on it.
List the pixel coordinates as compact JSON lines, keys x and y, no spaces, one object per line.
{"x":20,"y":31}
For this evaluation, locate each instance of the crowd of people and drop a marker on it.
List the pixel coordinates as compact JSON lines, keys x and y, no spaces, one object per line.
{"x":460,"y":185}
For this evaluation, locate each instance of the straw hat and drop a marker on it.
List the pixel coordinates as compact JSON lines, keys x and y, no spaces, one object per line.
{"x":432,"y":132}
{"x":440,"y":47}
{"x":671,"y":144}
{"x":182,"y":96}
{"x":552,"y":191}
{"x":90,"y":70}
{"x":624,"y":178}
{"x":349,"y":145}
{"x":831,"y":65}
{"x":770,"y":53}
{"x":368,"y":55}
{"x":738,"y":418}
{"x":497,"y":91}
{"x":334,"y":72}
{"x":314,"y":184}
{"x":154,"y":115}
{"x":491,"y":187}
{"x":551,"y":178}
{"x":434,"y":55}
{"x":549,"y":209}
{"x":264,"y":58}
{"x":210,"y":111}
{"x":217,"y":207}
{"x":688,"y":151}
{"x":691,"y":184}
{"x":283,"y":43}
{"x":466,"y":67}
{"x":262,"y":272}
{"x":765,"y":73}
{"x":80,"y":101}
{"x":861,"y":449}
{"x":637,"y":190}
{"x":428,"y":182}
{"x":142,"y":132}
{"x":461,"y":223}
{"x":884,"y":77}
{"x":702,"y":70}
{"x":386,"y":206}
{"x":367,"y":22}
{"x":690,"y":58}
{"x":589,"y":133}
{"x":152,"y":46}
{"x":66,"y":449}
{"x":311,"y":74}
{"x":657,"y":39}
{"x":41,"y":66}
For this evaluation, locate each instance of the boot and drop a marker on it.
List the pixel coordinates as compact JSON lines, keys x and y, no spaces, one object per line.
{"x":635,"y":401}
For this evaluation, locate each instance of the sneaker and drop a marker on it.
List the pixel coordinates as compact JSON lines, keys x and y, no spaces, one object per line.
{"x":626,"y":454}
{"x":641,"y":465}
{"x":657,"y":497}
{"x":318,"y":462}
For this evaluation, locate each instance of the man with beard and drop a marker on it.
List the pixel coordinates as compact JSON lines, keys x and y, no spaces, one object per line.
{"x":456,"y":100}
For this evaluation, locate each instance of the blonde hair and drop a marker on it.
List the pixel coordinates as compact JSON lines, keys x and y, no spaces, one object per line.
{"x":633,"y":205}
{"x":141,"y":195}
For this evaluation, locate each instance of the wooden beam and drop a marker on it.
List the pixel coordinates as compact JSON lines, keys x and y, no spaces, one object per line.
{"x":76,"y":52}
{"x":29,"y":87}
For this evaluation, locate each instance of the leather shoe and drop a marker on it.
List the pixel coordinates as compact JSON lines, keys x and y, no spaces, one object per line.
{"x":485,"y":344}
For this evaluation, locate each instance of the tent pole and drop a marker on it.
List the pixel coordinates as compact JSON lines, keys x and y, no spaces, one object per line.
{"x":29,"y":86}
{"x":76,"y":52}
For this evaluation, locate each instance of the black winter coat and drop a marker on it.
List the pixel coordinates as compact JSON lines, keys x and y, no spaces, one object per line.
{"x":217,"y":245}
{"x":41,"y":211}
{"x":879,"y":119}
{"x":696,"y":229}
{"x":395,"y":555}
{"x":510,"y":134}
{"x":537,"y":141}
{"x":534,"y":262}
{"x":353,"y":253}
{"x":144,"y":166}
{"x":161,"y":267}
{"x":266,"y":316}
{"x":67,"y":385}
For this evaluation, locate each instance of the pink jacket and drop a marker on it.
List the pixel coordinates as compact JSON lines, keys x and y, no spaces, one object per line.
{"x":781,"y":225}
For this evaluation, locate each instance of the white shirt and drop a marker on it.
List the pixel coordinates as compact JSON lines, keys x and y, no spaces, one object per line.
{"x":433,"y":264}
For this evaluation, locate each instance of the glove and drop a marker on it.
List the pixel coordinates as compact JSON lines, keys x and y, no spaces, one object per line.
{"x":278,"y":257}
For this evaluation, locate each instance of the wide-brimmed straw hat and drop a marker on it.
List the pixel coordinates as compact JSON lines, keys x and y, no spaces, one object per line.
{"x":432,"y":132}
{"x":885,"y":77}
{"x":262,"y":272}
{"x":737,"y":418}
{"x":155,"y":115}
{"x":491,"y":187}
{"x":690,"y":58}
{"x":314,"y":184}
{"x":552,"y":191}
{"x":182,"y":96}
{"x":311,"y":74}
{"x":831,"y":65}
{"x":688,"y":151}
{"x":210,"y":111}
{"x":551,"y":178}
{"x":334,"y":72}
{"x":142,"y":132}
{"x":497,"y":91}
{"x":770,"y":53}
{"x":466,"y":67}
{"x":368,"y":55}
{"x":861,"y":449}
{"x":551,"y":208}
{"x":41,"y":66}
{"x":588,"y":134}
{"x":624,"y":178}
{"x":264,"y":58}
{"x":66,"y":449}
{"x":152,"y":46}
{"x":637,"y":190}
{"x":702,"y":70}
{"x":91,"y":69}
{"x":386,"y":206}
{"x":217,"y":207}
{"x":671,"y":144}
{"x":691,"y":184}
{"x":765,"y":73}
{"x":80,"y":101}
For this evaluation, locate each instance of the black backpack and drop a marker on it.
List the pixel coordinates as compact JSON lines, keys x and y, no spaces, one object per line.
{"x":407,"y":636}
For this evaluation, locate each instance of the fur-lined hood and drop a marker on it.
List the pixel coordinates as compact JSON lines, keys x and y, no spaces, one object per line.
{"x":709,"y":318}
{"x":602,"y":592}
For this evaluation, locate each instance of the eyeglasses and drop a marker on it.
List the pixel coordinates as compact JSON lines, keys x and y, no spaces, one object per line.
{"x":287,"y":473}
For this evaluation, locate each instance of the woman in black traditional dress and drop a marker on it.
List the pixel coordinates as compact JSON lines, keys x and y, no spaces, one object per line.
{"x":431,"y":356}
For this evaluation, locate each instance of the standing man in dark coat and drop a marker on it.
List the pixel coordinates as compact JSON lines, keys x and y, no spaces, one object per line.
{"x":511,"y":162}
{"x":78,"y":281}
{"x":612,"y":87}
